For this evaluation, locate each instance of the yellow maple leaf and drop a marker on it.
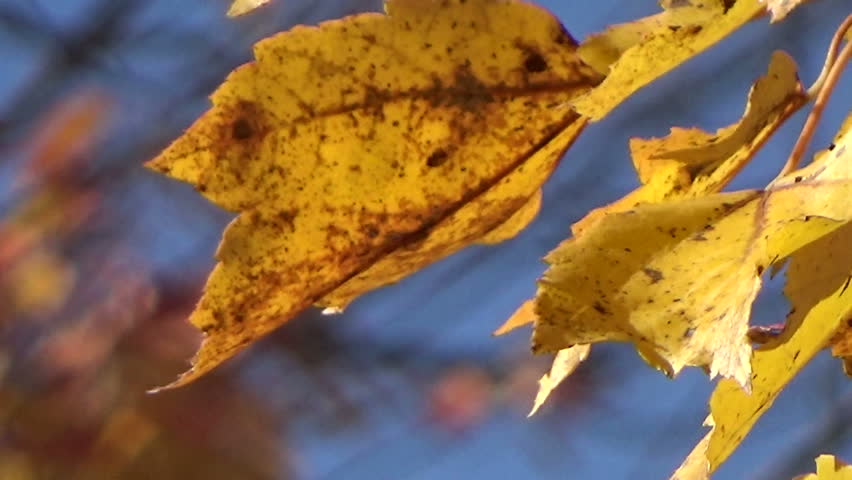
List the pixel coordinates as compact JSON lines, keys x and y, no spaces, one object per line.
{"x":242,"y":7}
{"x":358,"y":151}
{"x":661,"y":44}
{"x":679,"y":278}
{"x":820,"y":302}
{"x":691,"y":162}
{"x":829,"y":468}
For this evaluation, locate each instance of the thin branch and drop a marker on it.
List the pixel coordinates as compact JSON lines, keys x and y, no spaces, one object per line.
{"x":830,"y":57}
{"x":819,"y":105}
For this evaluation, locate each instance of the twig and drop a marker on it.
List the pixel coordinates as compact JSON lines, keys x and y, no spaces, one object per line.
{"x":826,"y":88}
{"x":830,"y":57}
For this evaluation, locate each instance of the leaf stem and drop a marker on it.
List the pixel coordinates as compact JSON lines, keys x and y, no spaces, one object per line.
{"x":830,"y":57}
{"x":826,"y":87}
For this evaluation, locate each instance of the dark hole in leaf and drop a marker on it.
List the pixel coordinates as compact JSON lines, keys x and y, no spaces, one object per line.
{"x":535,"y":63}
{"x":437,"y":158}
{"x":242,"y":129}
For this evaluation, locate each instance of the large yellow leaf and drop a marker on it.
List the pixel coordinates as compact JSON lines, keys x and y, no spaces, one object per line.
{"x":360,"y":150}
{"x":678,"y":278}
{"x":637,"y":55}
{"x":690,"y":163}
{"x":821,"y":305}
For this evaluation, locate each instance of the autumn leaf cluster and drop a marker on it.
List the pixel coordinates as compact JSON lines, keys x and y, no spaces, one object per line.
{"x":359,"y":151}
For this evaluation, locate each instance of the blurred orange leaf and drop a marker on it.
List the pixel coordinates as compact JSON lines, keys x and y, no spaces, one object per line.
{"x":68,"y":131}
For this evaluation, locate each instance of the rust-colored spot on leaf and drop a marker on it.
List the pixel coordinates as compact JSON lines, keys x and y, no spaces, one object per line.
{"x":654,"y":275}
{"x":437,"y":158}
{"x":535,"y":63}
{"x":242,"y":129}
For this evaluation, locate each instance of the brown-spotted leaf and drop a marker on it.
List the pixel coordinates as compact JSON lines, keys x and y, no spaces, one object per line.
{"x":358,"y":151}
{"x":638,"y":55}
{"x":679,"y":278}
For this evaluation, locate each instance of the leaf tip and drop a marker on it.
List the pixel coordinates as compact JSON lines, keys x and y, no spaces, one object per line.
{"x":183,"y":379}
{"x":524,"y":315}
{"x":242,"y":7}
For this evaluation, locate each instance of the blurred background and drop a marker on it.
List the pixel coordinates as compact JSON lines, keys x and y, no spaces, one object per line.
{"x":101,"y":262}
